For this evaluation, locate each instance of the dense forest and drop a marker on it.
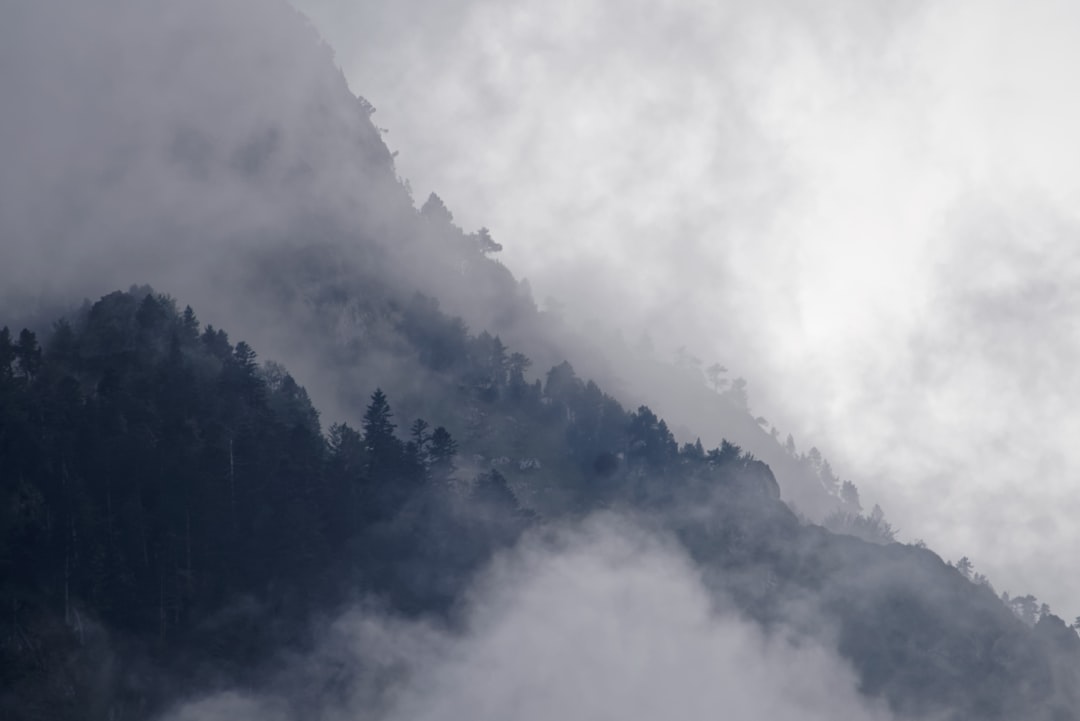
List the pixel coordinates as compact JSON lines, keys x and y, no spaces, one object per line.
{"x":158,"y":473}
{"x":155,"y":473}
{"x":180,"y":509}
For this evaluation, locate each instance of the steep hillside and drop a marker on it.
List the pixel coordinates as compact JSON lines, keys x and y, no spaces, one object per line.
{"x":214,"y":151}
{"x":177,"y":517}
{"x":174,"y":507}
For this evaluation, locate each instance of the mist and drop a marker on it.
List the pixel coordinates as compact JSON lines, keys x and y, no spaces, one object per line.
{"x":193,"y":148}
{"x":775,"y":189}
{"x":862,"y":208}
{"x":604,"y":620}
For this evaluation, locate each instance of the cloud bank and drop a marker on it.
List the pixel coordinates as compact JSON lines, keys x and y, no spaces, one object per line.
{"x":605,"y":621}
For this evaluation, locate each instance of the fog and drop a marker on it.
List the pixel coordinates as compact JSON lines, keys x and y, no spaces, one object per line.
{"x":866,"y":209}
{"x":846,"y":205}
{"x":165,"y":144}
{"x":603,"y":621}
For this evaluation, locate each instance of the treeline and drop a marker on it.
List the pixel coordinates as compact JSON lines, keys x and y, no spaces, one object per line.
{"x":596,"y":454}
{"x":172,"y":515}
{"x":154,"y":474}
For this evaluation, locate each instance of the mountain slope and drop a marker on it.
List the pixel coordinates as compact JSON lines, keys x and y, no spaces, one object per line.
{"x":171,"y":504}
{"x":214,"y":151}
{"x":175,"y":513}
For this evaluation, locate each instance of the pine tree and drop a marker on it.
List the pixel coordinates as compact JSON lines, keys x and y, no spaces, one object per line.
{"x":849,"y":494}
{"x":443,"y":450}
{"x":189,"y":325}
{"x":244,"y":357}
{"x":419,"y":440}
{"x":28,"y":354}
{"x":378,"y":428}
{"x":435,"y":211}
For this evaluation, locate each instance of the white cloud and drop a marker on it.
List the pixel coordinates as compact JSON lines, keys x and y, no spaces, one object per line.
{"x":601,"y":622}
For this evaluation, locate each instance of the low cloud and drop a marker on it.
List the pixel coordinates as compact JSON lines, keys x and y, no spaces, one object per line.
{"x":603,"y":621}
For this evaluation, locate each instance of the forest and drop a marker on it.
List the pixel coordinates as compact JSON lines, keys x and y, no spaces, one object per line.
{"x":155,"y":473}
{"x":322,"y":394}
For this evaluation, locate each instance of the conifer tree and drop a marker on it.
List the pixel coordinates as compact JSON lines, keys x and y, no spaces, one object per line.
{"x":443,"y":450}
{"x":28,"y":354}
{"x":377,"y":424}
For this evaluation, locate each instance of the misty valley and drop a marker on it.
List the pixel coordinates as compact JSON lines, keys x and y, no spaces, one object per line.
{"x":280,"y":441}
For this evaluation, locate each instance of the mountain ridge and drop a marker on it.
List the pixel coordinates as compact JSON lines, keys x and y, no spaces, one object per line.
{"x":284,"y":215}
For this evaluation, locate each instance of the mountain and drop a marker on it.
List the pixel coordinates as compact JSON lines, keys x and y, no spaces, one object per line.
{"x":177,"y":517}
{"x":231,"y":163}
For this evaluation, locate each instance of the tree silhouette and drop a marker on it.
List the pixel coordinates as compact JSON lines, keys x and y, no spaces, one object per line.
{"x":484,"y":242}
{"x":442,"y":452}
{"x":435,"y":211}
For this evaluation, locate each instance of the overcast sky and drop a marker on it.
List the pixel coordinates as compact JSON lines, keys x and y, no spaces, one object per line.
{"x":868,"y":208}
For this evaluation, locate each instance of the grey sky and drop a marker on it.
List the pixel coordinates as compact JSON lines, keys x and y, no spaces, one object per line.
{"x":866,"y":208}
